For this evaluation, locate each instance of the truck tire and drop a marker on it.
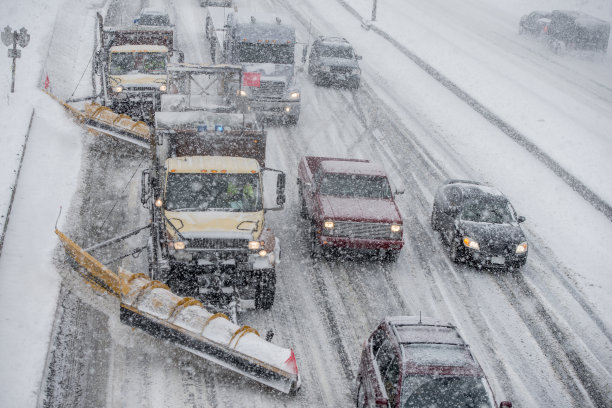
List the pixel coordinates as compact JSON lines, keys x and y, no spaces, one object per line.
{"x":266,"y":289}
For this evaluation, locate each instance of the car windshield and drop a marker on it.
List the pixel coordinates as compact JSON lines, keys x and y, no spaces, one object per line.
{"x":265,"y":53}
{"x":213,"y":192}
{"x":154,"y":20}
{"x":130,"y":63}
{"x":352,"y":185}
{"x":337,"y":52}
{"x":445,"y":392}
{"x":497,"y":211}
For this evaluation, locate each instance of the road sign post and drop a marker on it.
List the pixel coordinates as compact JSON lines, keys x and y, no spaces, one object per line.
{"x":14,"y":38}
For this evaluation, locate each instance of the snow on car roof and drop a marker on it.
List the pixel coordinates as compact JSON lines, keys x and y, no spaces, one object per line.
{"x":427,"y":333}
{"x":194,"y":164}
{"x":352,"y":167}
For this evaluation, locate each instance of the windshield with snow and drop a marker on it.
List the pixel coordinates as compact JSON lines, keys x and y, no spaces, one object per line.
{"x":131,"y":63}
{"x":337,"y":52}
{"x":265,"y":53}
{"x":352,"y":185}
{"x":213,"y":192}
{"x":443,"y":392}
{"x":488,"y":211}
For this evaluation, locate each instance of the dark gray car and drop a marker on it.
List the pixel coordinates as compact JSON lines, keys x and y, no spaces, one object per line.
{"x":333,"y":62}
{"x":479,"y":224}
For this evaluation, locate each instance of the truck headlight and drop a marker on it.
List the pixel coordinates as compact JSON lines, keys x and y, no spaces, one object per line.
{"x":263,"y":253}
{"x":178,"y":245}
{"x":294,"y":95}
{"x":254,"y":245}
{"x":521,"y":248}
{"x":159,"y":202}
{"x":118,"y":88}
{"x":470,"y":243}
{"x":396,"y":228}
{"x":328,"y":225}
{"x":241,"y":92}
{"x":163,"y":88}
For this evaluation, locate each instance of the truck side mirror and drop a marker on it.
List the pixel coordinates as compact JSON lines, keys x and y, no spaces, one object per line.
{"x":399,"y":191}
{"x":505,"y":404}
{"x":145,"y":186}
{"x":280,"y":189}
{"x":521,"y":219}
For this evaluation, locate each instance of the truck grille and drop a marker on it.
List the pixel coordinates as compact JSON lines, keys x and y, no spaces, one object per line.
{"x":370,"y":230}
{"x":227,"y":244}
{"x":269,"y":90}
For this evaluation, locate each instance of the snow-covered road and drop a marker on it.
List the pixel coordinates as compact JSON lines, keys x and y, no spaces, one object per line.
{"x":543,"y":335}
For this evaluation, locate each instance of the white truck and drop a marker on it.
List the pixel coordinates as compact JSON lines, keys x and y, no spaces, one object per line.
{"x":265,"y":47}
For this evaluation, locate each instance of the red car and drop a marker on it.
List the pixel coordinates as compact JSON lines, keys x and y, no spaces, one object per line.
{"x":351,"y":206}
{"x":411,"y":362}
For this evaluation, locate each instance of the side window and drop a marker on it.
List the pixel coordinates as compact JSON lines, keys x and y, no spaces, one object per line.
{"x":377,"y":339}
{"x":391,"y":380}
{"x":384,"y":356}
{"x":453,"y":196}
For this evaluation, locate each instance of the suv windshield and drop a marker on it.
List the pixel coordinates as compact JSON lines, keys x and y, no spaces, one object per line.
{"x":265,"y":53}
{"x":488,"y":211}
{"x":337,"y":52}
{"x":447,"y":392}
{"x":351,"y":185}
{"x":213,"y":192}
{"x":130,"y":63}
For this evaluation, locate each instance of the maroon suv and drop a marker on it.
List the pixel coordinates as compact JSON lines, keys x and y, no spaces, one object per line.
{"x":411,"y":362}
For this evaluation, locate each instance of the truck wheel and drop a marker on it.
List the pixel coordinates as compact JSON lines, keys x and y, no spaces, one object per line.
{"x":266,"y":288}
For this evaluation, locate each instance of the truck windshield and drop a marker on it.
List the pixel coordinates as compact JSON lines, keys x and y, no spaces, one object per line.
{"x":456,"y":392}
{"x":352,"y":185}
{"x":265,"y":53}
{"x":130,"y":63}
{"x":213,"y":192}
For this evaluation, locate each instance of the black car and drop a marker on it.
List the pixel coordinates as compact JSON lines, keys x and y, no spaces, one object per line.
{"x":333,"y":62}
{"x":576,"y":30}
{"x":479,"y":224}
{"x":534,"y":23}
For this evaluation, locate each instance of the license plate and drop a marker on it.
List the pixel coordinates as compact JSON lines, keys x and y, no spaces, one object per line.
{"x":498,"y":260}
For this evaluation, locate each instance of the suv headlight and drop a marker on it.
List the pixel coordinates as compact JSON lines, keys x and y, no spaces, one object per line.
{"x":254,"y":245}
{"x":241,"y":92}
{"x":395,"y":228}
{"x":178,"y":245}
{"x":328,"y":225}
{"x":470,"y":243}
{"x":117,"y":88}
{"x":294,"y":95}
{"x":521,"y":248}
{"x":163,"y":88}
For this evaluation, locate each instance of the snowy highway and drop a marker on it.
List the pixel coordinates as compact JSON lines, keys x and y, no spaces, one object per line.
{"x":543,"y":334}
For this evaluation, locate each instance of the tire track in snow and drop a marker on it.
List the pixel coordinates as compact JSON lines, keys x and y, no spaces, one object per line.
{"x":574,"y":183}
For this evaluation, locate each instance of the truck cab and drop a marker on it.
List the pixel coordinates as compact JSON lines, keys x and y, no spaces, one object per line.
{"x":210,"y":236}
{"x":351,"y":206}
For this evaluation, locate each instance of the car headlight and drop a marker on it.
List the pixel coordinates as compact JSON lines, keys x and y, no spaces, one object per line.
{"x":178,"y":245}
{"x":294,"y":95}
{"x":241,"y":92}
{"x":263,"y":253}
{"x":254,"y":245}
{"x":328,"y":225}
{"x":356,"y":71}
{"x":470,"y":243}
{"x":521,"y":248}
{"x":163,"y":88}
{"x":159,"y":203}
{"x":396,"y":228}
{"x":117,"y":88}
{"x":325,"y":68}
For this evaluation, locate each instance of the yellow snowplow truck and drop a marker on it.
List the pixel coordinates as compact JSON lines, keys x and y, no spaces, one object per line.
{"x":131,"y":65}
{"x":209,"y":239}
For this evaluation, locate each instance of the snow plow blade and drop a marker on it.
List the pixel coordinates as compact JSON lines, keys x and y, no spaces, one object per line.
{"x":150,"y":306}
{"x":101,"y":119}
